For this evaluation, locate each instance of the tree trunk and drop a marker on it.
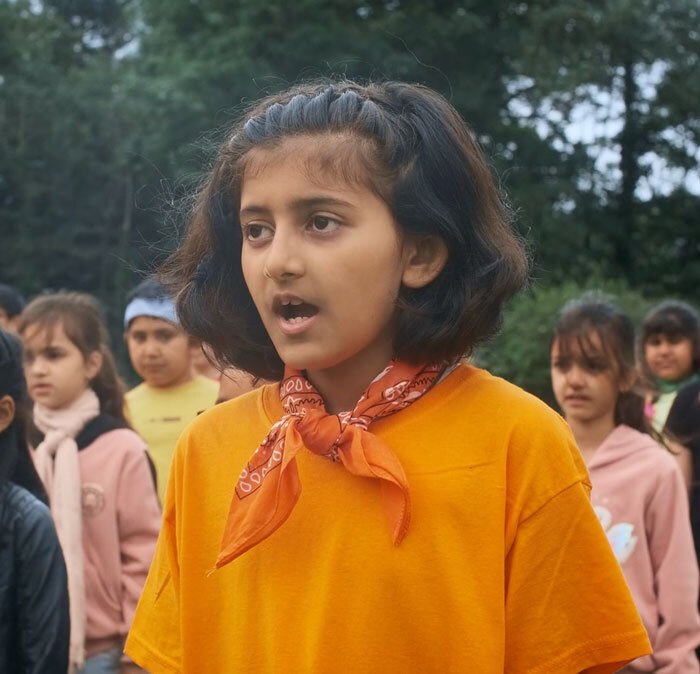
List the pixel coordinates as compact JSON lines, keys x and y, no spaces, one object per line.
{"x":623,"y":233}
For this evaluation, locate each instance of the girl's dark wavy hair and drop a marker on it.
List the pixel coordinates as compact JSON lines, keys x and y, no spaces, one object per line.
{"x":672,"y":319}
{"x":15,"y":462}
{"x":593,"y":314}
{"x":409,"y":146}
{"x":81,"y":318}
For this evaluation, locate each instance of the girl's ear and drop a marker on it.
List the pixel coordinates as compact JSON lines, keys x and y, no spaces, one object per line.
{"x":93,"y":364}
{"x":424,"y":258}
{"x":7,"y":412}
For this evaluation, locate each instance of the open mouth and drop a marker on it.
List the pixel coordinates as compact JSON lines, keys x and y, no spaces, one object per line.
{"x":294,"y":310}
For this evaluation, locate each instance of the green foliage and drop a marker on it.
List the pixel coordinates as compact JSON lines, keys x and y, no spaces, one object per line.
{"x":520,"y":352}
{"x":109,"y":110}
{"x":632,"y":63}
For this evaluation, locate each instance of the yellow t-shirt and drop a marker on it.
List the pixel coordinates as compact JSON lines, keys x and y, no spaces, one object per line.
{"x":505,"y":567}
{"x":159,"y":415}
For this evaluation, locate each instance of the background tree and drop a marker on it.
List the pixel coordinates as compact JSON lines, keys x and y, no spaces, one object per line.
{"x":109,"y":111}
{"x":625,"y":70}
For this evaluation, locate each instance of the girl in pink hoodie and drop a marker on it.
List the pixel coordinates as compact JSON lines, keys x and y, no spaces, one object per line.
{"x":96,"y":473}
{"x":638,"y":491}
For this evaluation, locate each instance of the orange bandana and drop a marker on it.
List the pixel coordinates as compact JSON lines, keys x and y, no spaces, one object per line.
{"x":269,"y":486}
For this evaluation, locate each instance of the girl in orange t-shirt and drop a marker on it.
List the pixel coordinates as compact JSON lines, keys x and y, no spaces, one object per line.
{"x":351,"y":243}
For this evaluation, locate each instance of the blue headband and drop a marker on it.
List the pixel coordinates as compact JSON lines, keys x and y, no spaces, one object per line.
{"x":163,"y":308}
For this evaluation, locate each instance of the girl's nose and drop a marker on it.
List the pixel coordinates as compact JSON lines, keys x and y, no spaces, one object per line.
{"x":151,"y":347}
{"x":574,"y":376}
{"x":38,"y":366}
{"x":664,"y":346}
{"x":283,"y":260}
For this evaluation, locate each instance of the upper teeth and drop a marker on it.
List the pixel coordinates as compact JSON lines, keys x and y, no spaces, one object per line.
{"x":295,"y":302}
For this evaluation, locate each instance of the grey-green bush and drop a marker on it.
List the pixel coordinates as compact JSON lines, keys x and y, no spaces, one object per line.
{"x":520,"y":352}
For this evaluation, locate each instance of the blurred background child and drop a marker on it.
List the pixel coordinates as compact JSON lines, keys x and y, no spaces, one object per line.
{"x":34,"y":618}
{"x":669,"y":355}
{"x":11,"y":305}
{"x":638,"y":491}
{"x":172,"y":393}
{"x":96,"y":473}
{"x":203,"y":365}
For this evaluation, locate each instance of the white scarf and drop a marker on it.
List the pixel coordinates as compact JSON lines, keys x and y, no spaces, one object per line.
{"x":56,"y":461}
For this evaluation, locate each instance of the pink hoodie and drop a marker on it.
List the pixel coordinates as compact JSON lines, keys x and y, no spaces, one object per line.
{"x":641,"y":501}
{"x":121,"y":519}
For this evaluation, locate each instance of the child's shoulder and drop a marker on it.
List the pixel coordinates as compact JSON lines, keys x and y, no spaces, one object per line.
{"x":196,"y":385}
{"x":138,"y":392}
{"x":490,"y":400}
{"x":205,"y":385}
{"x":117,"y":440}
{"x":537,"y":444}
{"x":644,"y":450}
{"x":245,"y":415}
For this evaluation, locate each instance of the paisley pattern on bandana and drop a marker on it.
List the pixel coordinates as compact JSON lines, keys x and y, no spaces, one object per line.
{"x":269,"y":487}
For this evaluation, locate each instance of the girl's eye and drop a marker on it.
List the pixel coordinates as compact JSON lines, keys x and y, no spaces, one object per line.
{"x":257,"y":232}
{"x":595,"y":366}
{"x":323,"y":224}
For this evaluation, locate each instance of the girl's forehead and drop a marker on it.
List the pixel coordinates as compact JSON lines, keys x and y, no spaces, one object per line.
{"x":43,"y":334}
{"x":583,"y":344}
{"x":671,"y":334}
{"x":326,"y":159}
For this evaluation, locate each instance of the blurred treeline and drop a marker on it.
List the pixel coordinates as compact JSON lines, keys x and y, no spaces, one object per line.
{"x":109,"y":110}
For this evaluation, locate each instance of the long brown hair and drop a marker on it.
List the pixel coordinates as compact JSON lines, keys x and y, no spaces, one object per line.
{"x":80,"y":317}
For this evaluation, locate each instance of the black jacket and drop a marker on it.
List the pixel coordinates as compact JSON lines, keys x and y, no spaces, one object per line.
{"x":34,"y":617}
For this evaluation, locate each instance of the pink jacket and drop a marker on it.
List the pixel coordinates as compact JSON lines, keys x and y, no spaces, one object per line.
{"x":642,"y":503}
{"x":121,"y":519}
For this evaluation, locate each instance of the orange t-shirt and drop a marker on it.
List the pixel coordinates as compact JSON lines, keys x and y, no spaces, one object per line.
{"x":505,"y":567}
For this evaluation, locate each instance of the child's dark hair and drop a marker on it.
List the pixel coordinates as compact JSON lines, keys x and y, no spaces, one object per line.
{"x":675,"y":320}
{"x":15,"y":462}
{"x":593,"y":314}
{"x":409,"y":146}
{"x":11,"y":300}
{"x":81,"y":318}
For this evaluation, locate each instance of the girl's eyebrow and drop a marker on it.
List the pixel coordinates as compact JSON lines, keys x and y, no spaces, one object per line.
{"x":299,"y":205}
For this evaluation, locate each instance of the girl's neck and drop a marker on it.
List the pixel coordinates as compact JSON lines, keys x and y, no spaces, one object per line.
{"x":589,"y":435}
{"x":342,"y":385}
{"x":665,"y":386}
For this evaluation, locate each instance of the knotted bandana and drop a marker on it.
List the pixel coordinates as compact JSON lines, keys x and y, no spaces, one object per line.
{"x":269,"y":486}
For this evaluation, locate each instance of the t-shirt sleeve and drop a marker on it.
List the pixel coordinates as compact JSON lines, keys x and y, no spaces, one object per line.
{"x":568,"y":608}
{"x":154,"y":639}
